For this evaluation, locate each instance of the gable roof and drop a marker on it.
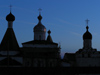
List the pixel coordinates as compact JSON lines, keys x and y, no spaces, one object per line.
{"x":9,"y":41}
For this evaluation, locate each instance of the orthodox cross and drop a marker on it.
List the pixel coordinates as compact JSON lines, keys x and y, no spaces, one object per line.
{"x":87,"y":21}
{"x":10,"y":7}
{"x":40,"y":10}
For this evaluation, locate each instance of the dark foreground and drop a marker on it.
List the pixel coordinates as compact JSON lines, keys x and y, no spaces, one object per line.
{"x":49,"y":71}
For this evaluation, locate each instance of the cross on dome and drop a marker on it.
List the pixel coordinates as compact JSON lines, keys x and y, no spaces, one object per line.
{"x":87,"y":24}
{"x":87,"y":21}
{"x":10,"y":7}
{"x":40,"y":10}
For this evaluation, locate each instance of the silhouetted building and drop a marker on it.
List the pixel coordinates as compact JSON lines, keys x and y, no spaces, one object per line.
{"x":9,"y":48}
{"x":85,"y":57}
{"x":41,"y":52}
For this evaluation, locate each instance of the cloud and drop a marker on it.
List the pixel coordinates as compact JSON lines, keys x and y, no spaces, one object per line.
{"x":26,"y":22}
{"x":66,"y":22}
{"x":23,"y":9}
{"x":77,"y":34}
{"x":2,"y":18}
{"x":19,"y":8}
{"x":4,"y":6}
{"x":95,"y":34}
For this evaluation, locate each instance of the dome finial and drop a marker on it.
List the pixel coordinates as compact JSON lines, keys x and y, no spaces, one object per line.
{"x":10,"y":16}
{"x":87,"y":34}
{"x":40,"y":17}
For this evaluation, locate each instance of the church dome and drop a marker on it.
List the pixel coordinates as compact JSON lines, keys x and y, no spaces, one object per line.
{"x":39,"y":26}
{"x":10,"y":17}
{"x":87,"y":34}
{"x":49,"y":39}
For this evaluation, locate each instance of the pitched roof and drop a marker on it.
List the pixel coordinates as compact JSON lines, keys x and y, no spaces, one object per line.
{"x":12,"y":62}
{"x":9,"y":41}
{"x":39,"y":42}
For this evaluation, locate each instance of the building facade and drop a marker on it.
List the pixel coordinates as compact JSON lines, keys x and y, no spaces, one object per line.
{"x":85,"y":57}
{"x":40,"y":52}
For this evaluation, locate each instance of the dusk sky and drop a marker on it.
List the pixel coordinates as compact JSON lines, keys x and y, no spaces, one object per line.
{"x":65,"y":19}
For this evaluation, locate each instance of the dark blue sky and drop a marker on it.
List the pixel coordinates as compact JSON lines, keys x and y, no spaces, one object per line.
{"x":65,"y":19}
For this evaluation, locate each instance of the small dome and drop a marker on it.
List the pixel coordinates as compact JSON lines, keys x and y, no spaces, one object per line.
{"x":87,"y":34}
{"x":39,"y":17}
{"x":49,"y":39}
{"x":10,"y":17}
{"x":39,"y":26}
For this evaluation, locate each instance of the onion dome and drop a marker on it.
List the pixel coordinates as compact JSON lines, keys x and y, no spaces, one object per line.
{"x":39,"y":26}
{"x":10,"y":17}
{"x":87,"y":34}
{"x":49,"y":39}
{"x":39,"y":17}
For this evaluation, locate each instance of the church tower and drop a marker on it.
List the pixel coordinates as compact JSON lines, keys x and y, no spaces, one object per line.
{"x":9,"y":40}
{"x":87,"y":56}
{"x":87,"y":39}
{"x":39,"y":30}
{"x":9,"y":49}
{"x":42,"y":51}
